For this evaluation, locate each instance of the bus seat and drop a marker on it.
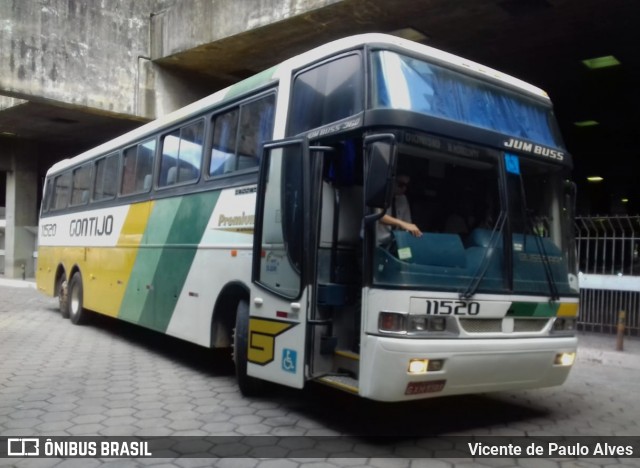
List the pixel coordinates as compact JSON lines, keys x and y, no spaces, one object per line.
{"x":187,"y":173}
{"x":349,"y":217}
{"x":172,"y":175}
{"x":521,"y":242}
{"x":435,"y":249}
{"x":528,"y":244}
{"x":147,"y":182}
{"x":481,"y":238}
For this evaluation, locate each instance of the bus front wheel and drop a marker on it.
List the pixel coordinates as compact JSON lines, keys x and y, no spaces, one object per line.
{"x":77,"y":314}
{"x":249,"y":386}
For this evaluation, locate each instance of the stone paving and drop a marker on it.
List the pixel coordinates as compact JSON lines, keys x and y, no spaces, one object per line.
{"x":113,"y":379}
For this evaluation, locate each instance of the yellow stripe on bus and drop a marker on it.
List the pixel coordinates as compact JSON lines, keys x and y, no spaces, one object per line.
{"x":568,"y":310}
{"x":262,"y":339}
{"x":109,"y":268}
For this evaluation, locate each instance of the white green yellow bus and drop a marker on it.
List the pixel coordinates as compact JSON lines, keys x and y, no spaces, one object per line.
{"x":250,"y":220}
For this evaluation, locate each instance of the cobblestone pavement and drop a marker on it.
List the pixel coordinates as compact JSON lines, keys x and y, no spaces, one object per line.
{"x":110,"y":378}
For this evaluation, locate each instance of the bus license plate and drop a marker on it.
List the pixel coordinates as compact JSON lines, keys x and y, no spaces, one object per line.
{"x":415,"y":388}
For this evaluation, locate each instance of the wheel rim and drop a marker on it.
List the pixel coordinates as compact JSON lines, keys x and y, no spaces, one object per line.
{"x":75,"y":301}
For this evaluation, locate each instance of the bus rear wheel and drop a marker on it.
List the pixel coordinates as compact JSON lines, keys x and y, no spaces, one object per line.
{"x":249,"y":386}
{"x":77,"y":314}
{"x":62,"y":291}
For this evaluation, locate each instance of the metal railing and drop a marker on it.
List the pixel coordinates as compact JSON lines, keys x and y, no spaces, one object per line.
{"x":609,"y":263}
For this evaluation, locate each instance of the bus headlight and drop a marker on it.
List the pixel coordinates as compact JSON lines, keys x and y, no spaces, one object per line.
{"x":564,"y":359}
{"x":564,"y":324}
{"x":418,"y":366}
{"x":421,"y":323}
{"x":422,"y":366}
{"x":398,"y":323}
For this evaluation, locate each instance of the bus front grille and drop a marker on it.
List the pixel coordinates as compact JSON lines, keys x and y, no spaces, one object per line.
{"x":520,"y":325}
{"x":481,"y":325}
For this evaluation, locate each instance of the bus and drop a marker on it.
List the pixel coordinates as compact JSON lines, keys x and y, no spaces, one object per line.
{"x":250,"y":220}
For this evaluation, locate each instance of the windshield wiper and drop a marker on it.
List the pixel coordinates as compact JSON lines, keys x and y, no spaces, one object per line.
{"x":496,"y":234}
{"x":553,"y":288}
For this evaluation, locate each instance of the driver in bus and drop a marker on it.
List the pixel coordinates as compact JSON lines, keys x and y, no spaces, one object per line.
{"x":400,"y":217}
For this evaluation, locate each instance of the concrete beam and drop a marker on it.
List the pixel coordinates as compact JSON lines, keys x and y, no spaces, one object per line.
{"x":231,"y":40}
{"x":185,"y":25}
{"x":78,"y":53}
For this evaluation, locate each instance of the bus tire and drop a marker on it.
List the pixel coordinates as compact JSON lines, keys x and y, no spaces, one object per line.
{"x":77,"y":313}
{"x":62,"y":291}
{"x":249,"y":386}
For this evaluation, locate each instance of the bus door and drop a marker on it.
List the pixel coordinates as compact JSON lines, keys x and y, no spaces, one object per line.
{"x":278,"y":308}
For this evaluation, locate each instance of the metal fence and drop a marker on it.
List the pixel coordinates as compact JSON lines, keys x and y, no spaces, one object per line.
{"x":609,"y":263}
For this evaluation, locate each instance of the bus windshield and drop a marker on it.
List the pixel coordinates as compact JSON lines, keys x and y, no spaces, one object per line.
{"x":478,"y":233}
{"x":403,"y":82}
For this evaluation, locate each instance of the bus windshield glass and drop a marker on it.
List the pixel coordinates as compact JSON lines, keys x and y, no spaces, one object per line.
{"x":403,"y":82}
{"x":477,"y":234}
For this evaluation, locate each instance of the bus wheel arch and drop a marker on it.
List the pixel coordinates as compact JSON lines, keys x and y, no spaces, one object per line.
{"x":224,"y":314}
{"x":230,"y":328}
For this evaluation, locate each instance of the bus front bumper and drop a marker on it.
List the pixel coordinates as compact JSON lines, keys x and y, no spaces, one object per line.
{"x":468,"y":366}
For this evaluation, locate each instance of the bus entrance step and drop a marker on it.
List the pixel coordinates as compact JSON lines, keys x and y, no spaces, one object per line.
{"x":346,"y":362}
{"x":342,"y":382}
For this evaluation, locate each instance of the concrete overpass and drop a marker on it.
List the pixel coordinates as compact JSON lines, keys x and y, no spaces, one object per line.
{"x":74,"y":74}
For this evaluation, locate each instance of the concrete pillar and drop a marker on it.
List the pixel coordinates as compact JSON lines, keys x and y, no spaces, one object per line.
{"x":21,"y":216}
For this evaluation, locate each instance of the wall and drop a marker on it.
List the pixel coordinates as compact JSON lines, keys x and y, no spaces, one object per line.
{"x":81,"y":53}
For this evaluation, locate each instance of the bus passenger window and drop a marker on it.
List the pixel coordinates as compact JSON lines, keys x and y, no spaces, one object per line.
{"x":61,"y":191}
{"x":182,"y":155}
{"x":225,"y":129}
{"x":81,"y":182}
{"x":238,"y":135}
{"x":46,"y":197}
{"x":256,"y":127}
{"x":106,"y":178}
{"x":138,"y":164}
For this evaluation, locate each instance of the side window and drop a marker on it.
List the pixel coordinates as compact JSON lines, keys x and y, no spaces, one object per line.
{"x":182,"y":155}
{"x":81,"y":184}
{"x":61,"y":191}
{"x":47,"y":195}
{"x":256,"y":127}
{"x":326,"y":93}
{"x":106,"y":185}
{"x":225,"y":132}
{"x":138,"y":167}
{"x":238,"y":135}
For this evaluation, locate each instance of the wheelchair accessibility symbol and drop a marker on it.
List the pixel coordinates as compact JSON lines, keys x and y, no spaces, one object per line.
{"x":289,"y":360}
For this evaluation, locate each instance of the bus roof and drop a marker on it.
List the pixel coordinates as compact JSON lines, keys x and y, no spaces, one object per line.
{"x":276,"y":72}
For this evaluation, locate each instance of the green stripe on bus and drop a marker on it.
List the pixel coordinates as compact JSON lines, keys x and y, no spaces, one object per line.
{"x":176,"y":258}
{"x":140,"y":285}
{"x":532,"y":309}
{"x":250,"y":83}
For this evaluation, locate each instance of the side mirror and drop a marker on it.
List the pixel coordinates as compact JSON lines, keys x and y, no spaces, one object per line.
{"x":571,"y":191}
{"x":380,"y":170}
